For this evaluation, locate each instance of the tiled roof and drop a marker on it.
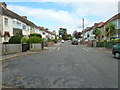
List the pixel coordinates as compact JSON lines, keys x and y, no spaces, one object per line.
{"x":117,"y":16}
{"x":11,"y":14}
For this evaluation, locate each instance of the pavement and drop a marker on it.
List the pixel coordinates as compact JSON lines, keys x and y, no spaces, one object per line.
{"x":9,"y":56}
{"x":62,"y":66}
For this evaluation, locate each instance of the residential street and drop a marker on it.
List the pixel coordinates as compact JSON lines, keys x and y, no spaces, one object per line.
{"x":62,"y":66}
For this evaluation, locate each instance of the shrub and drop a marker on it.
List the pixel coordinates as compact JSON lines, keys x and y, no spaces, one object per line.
{"x":35,"y":40}
{"x":15,"y":40}
{"x":49,"y":40}
{"x":55,"y":40}
{"x":117,"y":40}
{"x":24,"y":40}
{"x":103,"y":41}
{"x":36,"y":35}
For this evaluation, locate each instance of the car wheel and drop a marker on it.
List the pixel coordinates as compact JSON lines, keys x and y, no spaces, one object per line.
{"x":117,"y":55}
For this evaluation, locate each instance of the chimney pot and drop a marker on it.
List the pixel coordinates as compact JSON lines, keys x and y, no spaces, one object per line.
{"x":3,"y":4}
{"x":25,"y":17}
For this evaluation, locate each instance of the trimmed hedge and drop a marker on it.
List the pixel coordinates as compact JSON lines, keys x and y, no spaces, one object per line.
{"x":15,"y":40}
{"x":35,"y":35}
{"x":105,"y":44}
{"x":35,"y":40}
{"x":24,"y":40}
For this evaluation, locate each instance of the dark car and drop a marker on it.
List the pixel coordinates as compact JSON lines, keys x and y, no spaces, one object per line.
{"x":116,"y":51}
{"x":74,"y":42}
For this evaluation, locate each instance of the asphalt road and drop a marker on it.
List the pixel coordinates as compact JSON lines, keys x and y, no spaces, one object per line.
{"x":62,"y":66}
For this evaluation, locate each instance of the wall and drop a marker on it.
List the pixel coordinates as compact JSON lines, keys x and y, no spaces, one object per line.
{"x":35,"y":47}
{"x":8,"y":28}
{"x":1,"y":26}
{"x":11,"y":48}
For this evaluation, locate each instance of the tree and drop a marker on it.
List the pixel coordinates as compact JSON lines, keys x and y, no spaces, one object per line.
{"x":97,"y":33}
{"x":63,"y":33}
{"x":77,"y":34}
{"x":110,"y":30}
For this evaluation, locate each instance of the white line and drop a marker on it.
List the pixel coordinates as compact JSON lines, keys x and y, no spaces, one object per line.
{"x":58,"y":48}
{"x":85,"y":49}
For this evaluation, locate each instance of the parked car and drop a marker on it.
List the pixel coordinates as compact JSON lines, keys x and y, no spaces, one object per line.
{"x":62,"y":41}
{"x":74,"y":42}
{"x":116,"y":51}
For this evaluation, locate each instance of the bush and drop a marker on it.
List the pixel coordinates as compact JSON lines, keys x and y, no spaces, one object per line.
{"x":36,"y":35}
{"x":55,"y":40}
{"x":15,"y":40}
{"x":24,"y":40}
{"x":115,"y":40}
{"x":35,"y":40}
{"x":103,"y":41}
{"x":49,"y":40}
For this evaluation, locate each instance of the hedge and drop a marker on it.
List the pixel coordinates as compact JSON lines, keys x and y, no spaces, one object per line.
{"x":35,"y":39}
{"x":15,"y":40}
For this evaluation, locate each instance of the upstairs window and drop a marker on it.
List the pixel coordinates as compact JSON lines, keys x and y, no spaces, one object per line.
{"x":24,"y":27}
{"x":6,"y":21}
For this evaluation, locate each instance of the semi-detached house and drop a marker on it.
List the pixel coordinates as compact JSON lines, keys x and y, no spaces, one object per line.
{"x":88,"y":35}
{"x":12,"y":24}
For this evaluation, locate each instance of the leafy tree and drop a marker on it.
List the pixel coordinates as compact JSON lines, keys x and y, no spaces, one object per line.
{"x":63,"y":33}
{"x":77,"y":34}
{"x":97,"y":33}
{"x":110,"y":30}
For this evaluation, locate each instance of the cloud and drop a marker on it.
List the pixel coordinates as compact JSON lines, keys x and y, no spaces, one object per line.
{"x":64,"y":18}
{"x":71,"y":20}
{"x":59,"y":1}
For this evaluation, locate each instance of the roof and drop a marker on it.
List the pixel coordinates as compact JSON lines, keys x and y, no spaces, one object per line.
{"x":117,"y":16}
{"x":11,"y":14}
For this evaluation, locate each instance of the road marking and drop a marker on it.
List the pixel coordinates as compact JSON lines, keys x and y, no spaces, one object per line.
{"x":85,"y":49}
{"x":58,"y":48}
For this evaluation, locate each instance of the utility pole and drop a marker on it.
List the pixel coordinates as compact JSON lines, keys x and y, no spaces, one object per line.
{"x":83,"y":23}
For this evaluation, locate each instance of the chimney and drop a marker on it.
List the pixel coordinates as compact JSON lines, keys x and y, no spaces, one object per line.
{"x":25,"y":17}
{"x":3,"y":4}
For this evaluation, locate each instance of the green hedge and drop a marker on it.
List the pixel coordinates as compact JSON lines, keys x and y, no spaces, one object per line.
{"x":15,"y":40}
{"x":35,"y":35}
{"x":35,"y":40}
{"x":24,"y":40}
{"x":105,"y":44}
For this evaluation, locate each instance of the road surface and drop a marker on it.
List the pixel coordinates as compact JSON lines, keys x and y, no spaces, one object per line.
{"x":62,"y":66}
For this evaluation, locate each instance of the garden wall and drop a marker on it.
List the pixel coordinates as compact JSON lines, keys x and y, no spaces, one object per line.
{"x":11,"y":48}
{"x":35,"y":47}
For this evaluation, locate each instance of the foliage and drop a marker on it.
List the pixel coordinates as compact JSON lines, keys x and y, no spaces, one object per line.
{"x":36,"y":35}
{"x":15,"y":40}
{"x":110,"y":30}
{"x":103,"y":41}
{"x":35,"y":39}
{"x":96,"y":32}
{"x":115,"y":40}
{"x":24,"y":40}
{"x":49,"y":40}
{"x":55,"y":40}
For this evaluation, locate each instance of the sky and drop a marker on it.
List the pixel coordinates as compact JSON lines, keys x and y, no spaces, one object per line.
{"x":55,"y":15}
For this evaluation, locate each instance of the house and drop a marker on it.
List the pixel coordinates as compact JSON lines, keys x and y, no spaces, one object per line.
{"x":116,"y":20}
{"x":13,"y":24}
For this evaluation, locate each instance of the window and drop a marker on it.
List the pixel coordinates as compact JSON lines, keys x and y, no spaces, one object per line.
{"x":18,"y":24}
{"x":6,"y":22}
{"x":24,"y":27}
